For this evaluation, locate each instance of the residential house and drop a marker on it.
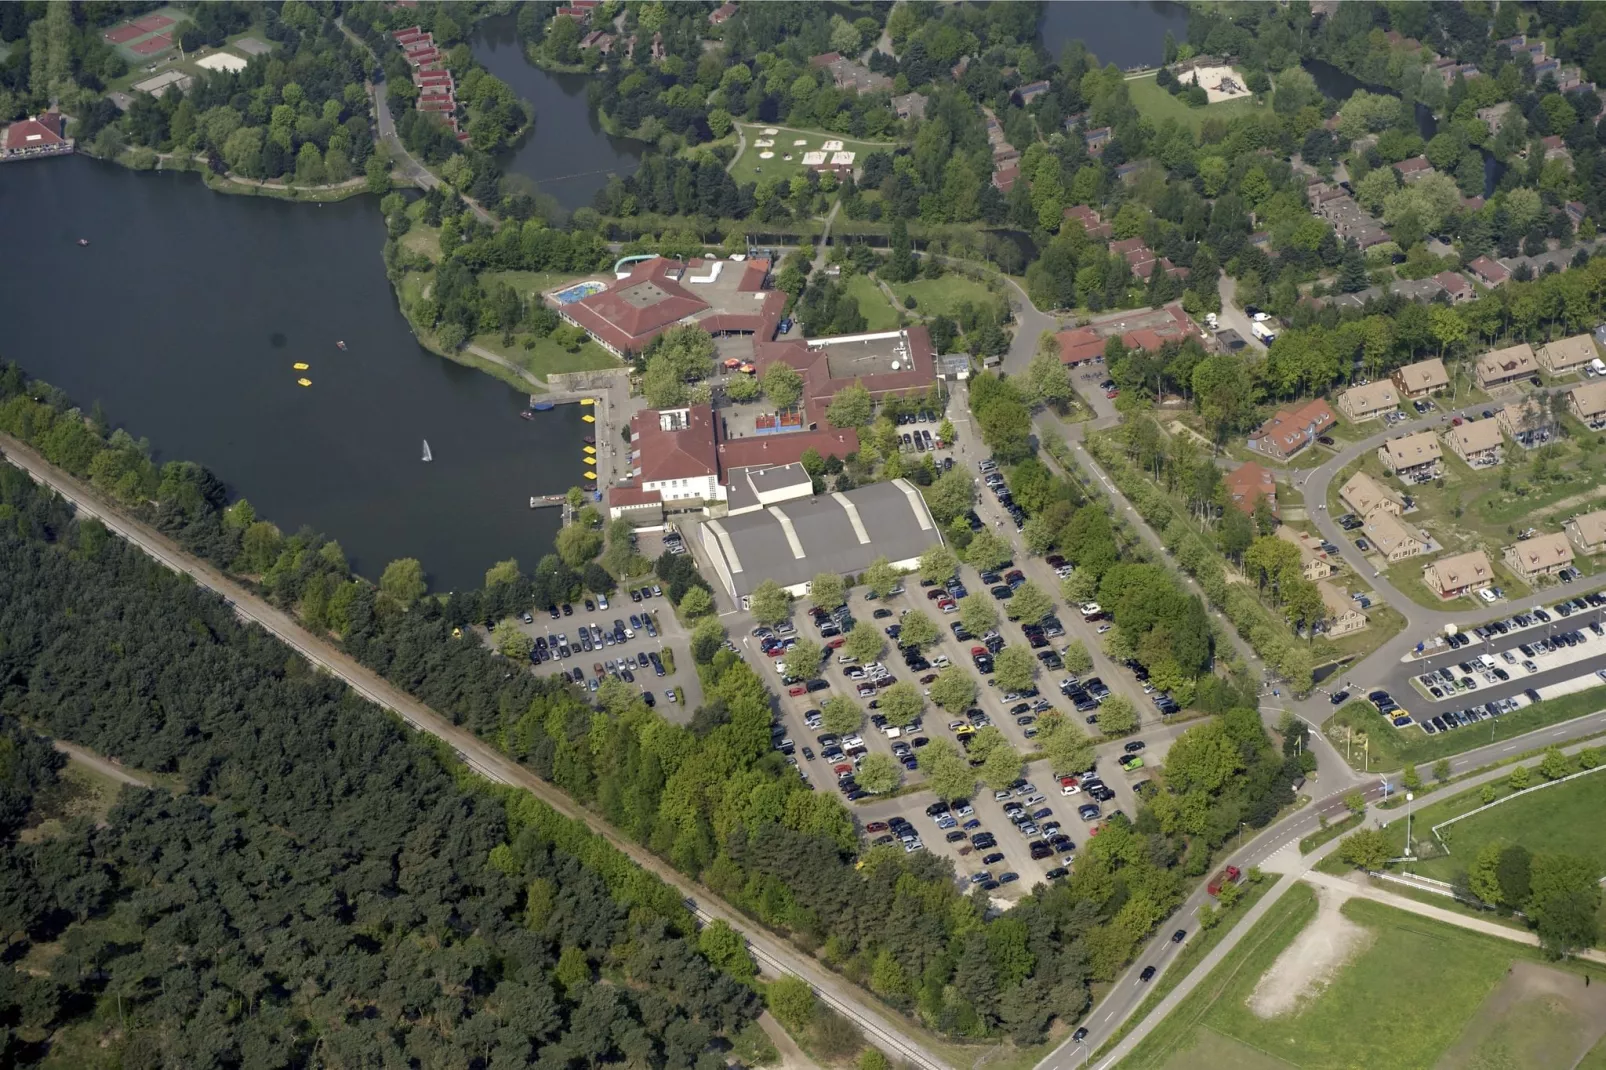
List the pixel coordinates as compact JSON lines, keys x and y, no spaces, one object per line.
{"x":1143,"y":261}
{"x":910,"y":105}
{"x":1588,"y":531}
{"x":1506,"y":365}
{"x":1092,"y":224}
{"x":1567,"y":355}
{"x":1527,"y":422}
{"x":1479,"y":442}
{"x":1456,"y":286}
{"x":1291,"y":430}
{"x":1421,"y":379}
{"x":1344,"y":616}
{"x":1350,"y":220}
{"x":1245,"y":485}
{"x":1369,"y":401}
{"x":1576,"y":211}
{"x":1555,"y":148}
{"x":1097,"y":140}
{"x":1412,"y":458}
{"x":1542,"y":555}
{"x":1363,"y":496}
{"x":1459,"y":574}
{"x":1414,"y":170}
{"x":1391,"y":538}
{"x":1588,"y":403}
{"x":850,"y":73}
{"x":1489,"y":272}
{"x":721,"y":14}
{"x":1032,"y":91}
{"x":1313,"y":561}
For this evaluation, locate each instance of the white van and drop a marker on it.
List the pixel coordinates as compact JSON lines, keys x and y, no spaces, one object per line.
{"x":846,"y":659}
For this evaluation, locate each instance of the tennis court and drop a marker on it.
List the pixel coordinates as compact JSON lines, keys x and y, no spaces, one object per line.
{"x":122,"y":35}
{"x":152,"y":23}
{"x":160,"y":43}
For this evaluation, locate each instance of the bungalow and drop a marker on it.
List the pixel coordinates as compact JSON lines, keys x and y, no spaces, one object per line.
{"x":1391,"y":538}
{"x":1588,"y":531}
{"x":1096,"y":140}
{"x":1032,"y":91}
{"x":1456,"y":286}
{"x":1344,"y":617}
{"x":1506,"y":365}
{"x":721,"y":14}
{"x":1542,"y":555}
{"x":1092,"y":224}
{"x":1478,"y":443}
{"x":1421,"y":379}
{"x":1451,"y":577}
{"x":1369,"y":401}
{"x":1313,"y":562}
{"x":1527,"y":422}
{"x":1567,"y":355}
{"x":910,"y":105}
{"x":1588,"y":403}
{"x":1290,"y":431}
{"x":1489,"y":272}
{"x":1414,"y":169}
{"x":1364,"y":496}
{"x":1555,"y":148}
{"x":1413,"y":458}
{"x":1245,"y":485}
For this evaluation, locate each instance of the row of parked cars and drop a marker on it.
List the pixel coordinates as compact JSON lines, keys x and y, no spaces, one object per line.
{"x":995,"y":483}
{"x":1451,"y":719}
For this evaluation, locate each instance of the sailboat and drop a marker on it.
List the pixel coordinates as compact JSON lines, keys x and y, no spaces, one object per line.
{"x":427,"y":455}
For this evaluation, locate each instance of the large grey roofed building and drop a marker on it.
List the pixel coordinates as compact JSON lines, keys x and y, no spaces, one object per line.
{"x":843,"y":532}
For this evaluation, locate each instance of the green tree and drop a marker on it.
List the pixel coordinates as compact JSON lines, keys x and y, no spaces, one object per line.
{"x":1077,"y":659}
{"x":1483,"y":873}
{"x":696,"y":602}
{"x":902,"y":703}
{"x":1441,"y":770}
{"x":865,"y":642}
{"x":978,"y":613}
{"x":828,"y":590}
{"x":1519,"y":778}
{"x":850,"y":407}
{"x":790,"y":998}
{"x":1030,"y":604}
{"x":1411,"y":779}
{"x":510,"y":641}
{"x":872,"y":1059}
{"x":726,"y":949}
{"x":803,"y":660}
{"x":841,"y":715}
{"x":1069,"y":748}
{"x":783,"y":384}
{"x":1002,"y":767}
{"x":1564,"y":903}
{"x":954,"y":689}
{"x":881,"y":577}
{"x":1015,"y":668}
{"x":1047,"y":380}
{"x":918,"y":630}
{"x":987,"y":551}
{"x":1117,"y":716}
{"x":770,"y":603}
{"x":938,"y":564}
{"x":502,"y":572}
{"x":403,"y":581}
{"x":1554,"y":765}
{"x":879,"y":774}
{"x":1365,"y":849}
{"x":951,"y":495}
{"x":1354,"y":802}
{"x":577,"y":544}
{"x":948,"y":774}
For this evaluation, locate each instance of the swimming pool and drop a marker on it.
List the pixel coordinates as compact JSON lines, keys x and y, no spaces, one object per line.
{"x":579,"y":292}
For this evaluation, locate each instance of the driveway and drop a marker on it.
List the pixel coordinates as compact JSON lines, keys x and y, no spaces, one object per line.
{"x":1233,"y":317}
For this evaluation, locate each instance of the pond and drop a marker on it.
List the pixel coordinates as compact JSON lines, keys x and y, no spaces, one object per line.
{"x":183,"y":318}
{"x":567,"y":154}
{"x":1127,"y":34}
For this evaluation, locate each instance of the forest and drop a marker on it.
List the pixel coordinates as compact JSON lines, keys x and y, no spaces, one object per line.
{"x":323,"y":891}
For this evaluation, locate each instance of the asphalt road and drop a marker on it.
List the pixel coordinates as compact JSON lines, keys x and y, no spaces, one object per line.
{"x":836,"y":992}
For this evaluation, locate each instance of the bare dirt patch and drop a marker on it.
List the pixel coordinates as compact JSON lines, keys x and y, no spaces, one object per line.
{"x":1317,"y":954}
{"x":1537,"y":1017}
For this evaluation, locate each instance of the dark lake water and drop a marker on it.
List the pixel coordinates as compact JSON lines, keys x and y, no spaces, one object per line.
{"x":183,"y":318}
{"x":567,"y":155}
{"x":1123,"y":33}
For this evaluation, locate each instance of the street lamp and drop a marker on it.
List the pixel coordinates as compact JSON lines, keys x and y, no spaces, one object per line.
{"x":1408,"y":797}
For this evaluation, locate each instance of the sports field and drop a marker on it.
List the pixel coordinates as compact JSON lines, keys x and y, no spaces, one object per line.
{"x":1413,"y":994}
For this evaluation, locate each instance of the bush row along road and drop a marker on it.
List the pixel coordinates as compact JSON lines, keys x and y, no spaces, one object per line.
{"x":771,"y":952}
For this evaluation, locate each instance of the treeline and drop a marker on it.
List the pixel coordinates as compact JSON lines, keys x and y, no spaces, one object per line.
{"x":324,"y":891}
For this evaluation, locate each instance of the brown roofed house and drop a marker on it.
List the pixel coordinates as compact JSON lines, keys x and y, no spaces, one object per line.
{"x":1422,"y":378}
{"x":1567,"y":354}
{"x":1588,"y":531}
{"x":1478,"y":443}
{"x":1390,"y":537}
{"x":1290,"y":431}
{"x":1247,"y":484}
{"x":1369,"y":401}
{"x":1588,"y":403}
{"x":1459,"y":574}
{"x":1542,"y":555}
{"x":1489,"y":272}
{"x":1413,"y":458}
{"x":1365,"y":495}
{"x":1506,"y":365}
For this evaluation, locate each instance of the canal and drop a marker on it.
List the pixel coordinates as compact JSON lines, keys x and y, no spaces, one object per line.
{"x":1126,"y":34}
{"x":183,"y":318}
{"x":567,"y":154}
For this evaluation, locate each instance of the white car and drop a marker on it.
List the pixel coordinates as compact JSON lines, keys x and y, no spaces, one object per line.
{"x":1487,"y":595}
{"x":854,"y":740}
{"x":941,"y":661}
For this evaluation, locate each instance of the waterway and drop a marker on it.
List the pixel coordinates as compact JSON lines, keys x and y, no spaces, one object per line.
{"x":566,"y":154}
{"x":183,"y":318}
{"x":1126,"y":34}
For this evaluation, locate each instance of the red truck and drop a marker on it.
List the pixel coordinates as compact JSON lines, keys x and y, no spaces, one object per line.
{"x":1229,"y":875}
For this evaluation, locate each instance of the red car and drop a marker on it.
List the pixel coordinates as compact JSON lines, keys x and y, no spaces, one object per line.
{"x":977,"y":650}
{"x":876,"y":826}
{"x":795,"y":690}
{"x":1112,"y":393}
{"x":775,"y":651}
{"x":837,"y":642}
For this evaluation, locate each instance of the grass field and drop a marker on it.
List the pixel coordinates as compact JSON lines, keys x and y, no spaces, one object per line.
{"x":1156,"y":105}
{"x":941,"y":296}
{"x":1560,"y":818}
{"x":750,"y":168}
{"x":879,"y":315}
{"x":1418,"y":991}
{"x":1392,"y":748}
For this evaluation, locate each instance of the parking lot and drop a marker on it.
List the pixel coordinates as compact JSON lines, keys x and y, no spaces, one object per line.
{"x":623,"y":636}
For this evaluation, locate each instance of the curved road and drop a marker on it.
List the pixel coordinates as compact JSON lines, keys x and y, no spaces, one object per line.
{"x":771,"y":951}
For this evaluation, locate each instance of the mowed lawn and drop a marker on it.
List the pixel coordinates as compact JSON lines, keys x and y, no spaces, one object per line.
{"x":1156,"y":105}
{"x":1400,"y":1005}
{"x":940,"y":296}
{"x":751,"y":167}
{"x":1560,"y":818}
{"x":879,"y":315}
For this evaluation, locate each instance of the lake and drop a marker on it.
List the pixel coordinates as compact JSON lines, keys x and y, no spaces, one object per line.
{"x":183,"y":318}
{"x":567,"y":154}
{"x":1126,"y":34}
